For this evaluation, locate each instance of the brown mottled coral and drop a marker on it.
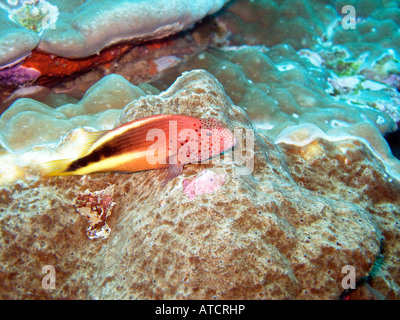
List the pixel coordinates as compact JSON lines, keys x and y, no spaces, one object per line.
{"x":357,"y":177}
{"x":282,"y":232}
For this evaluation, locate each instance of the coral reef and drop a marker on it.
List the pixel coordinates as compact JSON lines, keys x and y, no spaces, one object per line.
{"x":310,"y":188}
{"x":297,"y":23}
{"x":15,"y":42}
{"x":36,"y":15}
{"x":310,"y":24}
{"x":98,"y":109}
{"x":280,"y":88}
{"x":284,"y":230}
{"x":47,"y":68}
{"x":77,"y":29}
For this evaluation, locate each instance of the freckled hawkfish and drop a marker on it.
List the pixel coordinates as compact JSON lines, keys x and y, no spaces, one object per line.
{"x":155,"y":142}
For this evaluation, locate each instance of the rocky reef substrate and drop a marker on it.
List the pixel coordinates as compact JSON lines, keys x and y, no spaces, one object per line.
{"x":284,"y":217}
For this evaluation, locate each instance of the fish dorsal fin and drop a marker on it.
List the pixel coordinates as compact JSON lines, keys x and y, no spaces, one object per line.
{"x":89,"y":139}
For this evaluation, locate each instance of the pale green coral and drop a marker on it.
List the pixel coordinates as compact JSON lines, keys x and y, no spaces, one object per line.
{"x":35,"y":15}
{"x":338,"y":61}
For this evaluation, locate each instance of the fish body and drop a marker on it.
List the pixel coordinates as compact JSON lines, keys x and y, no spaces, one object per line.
{"x":155,"y":142}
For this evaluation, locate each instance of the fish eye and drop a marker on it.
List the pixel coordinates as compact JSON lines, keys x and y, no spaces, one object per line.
{"x":208,"y":134}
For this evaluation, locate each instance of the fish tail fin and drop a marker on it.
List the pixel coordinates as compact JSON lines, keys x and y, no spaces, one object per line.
{"x":56,"y":168}
{"x":59,"y":167}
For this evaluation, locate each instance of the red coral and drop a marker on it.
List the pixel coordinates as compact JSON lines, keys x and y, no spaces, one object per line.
{"x":53,"y":68}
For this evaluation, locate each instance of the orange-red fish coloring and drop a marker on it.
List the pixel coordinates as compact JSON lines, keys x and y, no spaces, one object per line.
{"x":161,"y":141}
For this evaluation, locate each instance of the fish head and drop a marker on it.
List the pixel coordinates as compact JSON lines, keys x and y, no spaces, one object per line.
{"x":214,"y":138}
{"x":205,"y":139}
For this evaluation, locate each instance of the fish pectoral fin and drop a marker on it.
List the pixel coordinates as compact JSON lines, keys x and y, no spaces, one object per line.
{"x":56,"y":168}
{"x":171,"y":171}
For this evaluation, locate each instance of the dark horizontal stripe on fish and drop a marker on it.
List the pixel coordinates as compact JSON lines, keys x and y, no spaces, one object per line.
{"x":132,"y":139}
{"x":105,"y":151}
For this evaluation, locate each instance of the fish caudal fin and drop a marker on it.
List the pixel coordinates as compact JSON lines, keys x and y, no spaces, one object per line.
{"x":59,"y":167}
{"x":56,"y":168}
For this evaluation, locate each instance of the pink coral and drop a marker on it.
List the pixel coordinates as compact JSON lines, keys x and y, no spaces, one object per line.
{"x":206,"y":182}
